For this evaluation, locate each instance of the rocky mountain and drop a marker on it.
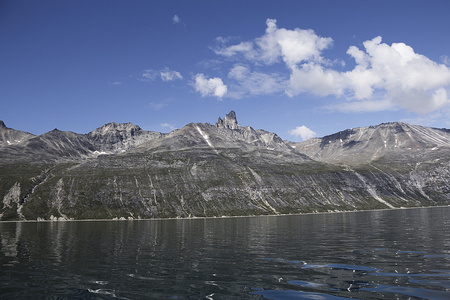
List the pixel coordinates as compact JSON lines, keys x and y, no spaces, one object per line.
{"x":59,"y":146}
{"x":10,"y":136}
{"x":121,"y":171}
{"x":364,"y":145}
{"x":115,"y":138}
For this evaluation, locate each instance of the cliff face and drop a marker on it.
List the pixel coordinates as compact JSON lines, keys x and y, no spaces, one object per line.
{"x":222,"y":169}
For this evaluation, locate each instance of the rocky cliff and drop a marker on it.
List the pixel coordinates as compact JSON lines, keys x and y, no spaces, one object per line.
{"x":121,"y":171}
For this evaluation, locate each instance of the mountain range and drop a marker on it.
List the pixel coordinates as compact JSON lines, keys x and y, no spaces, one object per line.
{"x":119,"y":171}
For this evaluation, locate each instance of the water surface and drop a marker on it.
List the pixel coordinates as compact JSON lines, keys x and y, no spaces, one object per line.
{"x":393,"y":254}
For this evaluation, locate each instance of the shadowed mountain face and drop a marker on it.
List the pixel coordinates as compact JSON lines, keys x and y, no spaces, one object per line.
{"x":122,"y":171}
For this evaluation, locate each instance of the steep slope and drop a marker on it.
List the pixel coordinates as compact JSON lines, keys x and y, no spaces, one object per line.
{"x":10,"y":136}
{"x":366,"y":144}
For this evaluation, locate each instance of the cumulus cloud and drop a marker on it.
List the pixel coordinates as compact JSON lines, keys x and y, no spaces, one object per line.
{"x":209,"y":87}
{"x":303,"y":132}
{"x":385,"y":77}
{"x":292,"y":46}
{"x":410,"y":80}
{"x":315,"y":79}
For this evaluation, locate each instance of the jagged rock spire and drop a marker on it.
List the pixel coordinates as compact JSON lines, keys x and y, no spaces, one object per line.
{"x":229,"y":121}
{"x":2,"y":124}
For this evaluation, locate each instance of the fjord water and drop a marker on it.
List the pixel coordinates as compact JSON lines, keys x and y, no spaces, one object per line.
{"x":391,"y":254}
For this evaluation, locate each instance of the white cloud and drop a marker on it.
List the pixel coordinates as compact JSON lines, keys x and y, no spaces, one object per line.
{"x":245,"y":48}
{"x":254,"y":83}
{"x":165,"y":74}
{"x":170,"y":75}
{"x":315,"y":79}
{"x":115,"y":83}
{"x":363,"y":106}
{"x":411,"y":81}
{"x":149,"y":75}
{"x":209,"y":87}
{"x":167,"y":126}
{"x":176,"y":19}
{"x":303,"y":132}
{"x":292,"y":46}
{"x":157,"y":105}
{"x":398,"y":76}
{"x":160,"y":104}
{"x":385,"y":77}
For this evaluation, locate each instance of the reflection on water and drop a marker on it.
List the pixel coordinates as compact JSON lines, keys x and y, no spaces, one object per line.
{"x":365,"y":255}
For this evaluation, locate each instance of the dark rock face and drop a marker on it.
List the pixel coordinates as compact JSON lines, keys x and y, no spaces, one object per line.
{"x":222,"y":169}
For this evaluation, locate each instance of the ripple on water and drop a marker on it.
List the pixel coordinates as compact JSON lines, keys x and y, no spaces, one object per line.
{"x":326,"y":291}
{"x":288,"y":294}
{"x":409,"y":291}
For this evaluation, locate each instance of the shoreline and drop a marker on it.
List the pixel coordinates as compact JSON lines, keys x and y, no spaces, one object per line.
{"x":221,"y":217}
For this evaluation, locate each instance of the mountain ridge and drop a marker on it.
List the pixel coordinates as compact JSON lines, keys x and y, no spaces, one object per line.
{"x":372,"y":142}
{"x":224,"y":169}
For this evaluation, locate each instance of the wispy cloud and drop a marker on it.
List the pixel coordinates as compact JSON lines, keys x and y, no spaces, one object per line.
{"x":149,"y":75}
{"x":445,"y":60}
{"x":177,"y":20}
{"x":247,"y":82}
{"x":165,"y":75}
{"x":158,"y":105}
{"x":167,"y":126}
{"x":170,"y":75}
{"x":115,"y":83}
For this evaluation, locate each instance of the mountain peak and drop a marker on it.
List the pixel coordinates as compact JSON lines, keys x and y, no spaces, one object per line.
{"x":2,"y":124}
{"x":229,"y":121}
{"x":365,"y":144}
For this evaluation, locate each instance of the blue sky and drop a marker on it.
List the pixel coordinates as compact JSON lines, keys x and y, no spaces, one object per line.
{"x":297,"y":68}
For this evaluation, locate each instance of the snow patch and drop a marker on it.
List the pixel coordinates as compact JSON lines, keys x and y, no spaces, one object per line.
{"x":206,"y":138}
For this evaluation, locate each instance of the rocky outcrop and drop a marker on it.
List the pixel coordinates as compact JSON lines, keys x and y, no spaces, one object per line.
{"x":120,"y":137}
{"x":229,"y":121}
{"x":221,"y":170}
